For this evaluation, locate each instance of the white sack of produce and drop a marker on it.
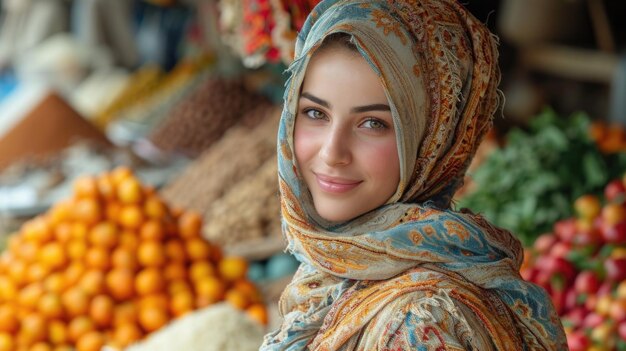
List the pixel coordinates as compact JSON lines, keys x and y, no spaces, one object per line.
{"x":219,"y":327}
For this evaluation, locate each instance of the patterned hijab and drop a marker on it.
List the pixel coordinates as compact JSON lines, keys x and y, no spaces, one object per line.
{"x":438,"y":65}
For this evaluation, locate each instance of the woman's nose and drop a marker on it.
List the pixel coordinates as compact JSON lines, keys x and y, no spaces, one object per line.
{"x":335,"y":148}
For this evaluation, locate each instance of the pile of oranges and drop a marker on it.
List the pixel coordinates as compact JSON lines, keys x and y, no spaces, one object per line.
{"x":110,"y":265}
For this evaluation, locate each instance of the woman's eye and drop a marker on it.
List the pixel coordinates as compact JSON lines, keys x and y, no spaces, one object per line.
{"x":314,"y":114}
{"x":374,"y":124}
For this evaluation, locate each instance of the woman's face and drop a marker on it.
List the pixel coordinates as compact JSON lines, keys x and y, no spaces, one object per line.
{"x":344,"y":137}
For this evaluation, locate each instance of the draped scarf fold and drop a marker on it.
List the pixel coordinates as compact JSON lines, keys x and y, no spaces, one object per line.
{"x":438,"y":65}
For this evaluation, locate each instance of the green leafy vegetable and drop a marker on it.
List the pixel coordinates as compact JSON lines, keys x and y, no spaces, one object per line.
{"x":529,"y":184}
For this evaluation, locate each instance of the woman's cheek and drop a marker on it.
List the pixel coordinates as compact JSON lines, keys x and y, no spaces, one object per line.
{"x":303,"y":144}
{"x":383,"y":159}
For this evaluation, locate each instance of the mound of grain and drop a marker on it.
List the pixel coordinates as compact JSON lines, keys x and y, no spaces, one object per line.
{"x":239,"y":153}
{"x":250,"y":210}
{"x":219,"y":327}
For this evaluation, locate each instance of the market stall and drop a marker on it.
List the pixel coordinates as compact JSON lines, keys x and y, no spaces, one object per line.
{"x":122,"y":184}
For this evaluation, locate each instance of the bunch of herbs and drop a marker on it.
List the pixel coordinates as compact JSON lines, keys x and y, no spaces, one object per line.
{"x":532,"y":181}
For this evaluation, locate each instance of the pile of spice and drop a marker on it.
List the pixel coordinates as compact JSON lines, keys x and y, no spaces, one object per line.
{"x":234,"y":183}
{"x":201,"y":119}
{"x":250,"y":210}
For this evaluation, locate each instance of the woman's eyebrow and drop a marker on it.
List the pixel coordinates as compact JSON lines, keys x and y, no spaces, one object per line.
{"x":368,"y":108}
{"x":358,"y":109}
{"x":315,"y":99}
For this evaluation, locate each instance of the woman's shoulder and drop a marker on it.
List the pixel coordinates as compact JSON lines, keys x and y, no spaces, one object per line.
{"x":425,"y":307}
{"x":427,"y":318}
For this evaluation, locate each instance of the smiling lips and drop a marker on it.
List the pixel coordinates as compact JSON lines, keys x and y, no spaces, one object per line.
{"x":335,"y":185}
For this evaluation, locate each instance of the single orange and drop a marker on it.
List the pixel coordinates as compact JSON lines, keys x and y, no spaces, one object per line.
{"x":201,"y":269}
{"x":248,"y":289}
{"x":154,"y":208}
{"x":123,"y":257}
{"x":151,"y":253}
{"x":129,"y":239}
{"x":79,"y":231}
{"x":92,"y":282}
{"x":106,"y":187}
{"x":73,"y":273}
{"x":233,"y":268}
{"x":237,"y":298}
{"x":90,"y":341}
{"x":98,"y":257}
{"x":50,"y":306}
{"x":104,"y":234}
{"x":33,"y":328}
{"x":8,"y":289}
{"x":126,"y":334}
{"x":258,"y":312}
{"x":175,"y":250}
{"x":60,"y":212}
{"x":198,"y":249}
{"x":53,"y":255}
{"x":76,"y":249}
{"x":57,"y":332}
{"x":129,"y":191}
{"x":119,"y":174}
{"x":190,"y":224}
{"x":86,"y":187}
{"x":87,"y":211}
{"x":29,"y":296}
{"x":101,"y":310}
{"x":181,"y":303}
{"x":210,"y":287}
{"x":38,"y":230}
{"x":36,"y":272}
{"x":28,"y":251}
{"x":79,"y":326}
{"x":75,"y":301}
{"x":152,"y":230}
{"x":152,"y":318}
{"x":17,"y":272}
{"x":54,"y":283}
{"x":130,"y":217}
{"x":149,"y":281}
{"x":175,"y":271}
{"x":63,"y":232}
{"x":120,"y":283}
{"x":178,"y":285}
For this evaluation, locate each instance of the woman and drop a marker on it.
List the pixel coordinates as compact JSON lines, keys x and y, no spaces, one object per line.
{"x":386,"y":104}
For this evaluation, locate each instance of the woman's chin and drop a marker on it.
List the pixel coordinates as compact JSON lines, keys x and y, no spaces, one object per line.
{"x":335,"y":216}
